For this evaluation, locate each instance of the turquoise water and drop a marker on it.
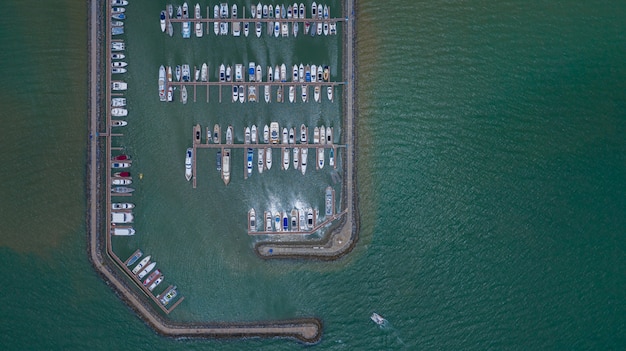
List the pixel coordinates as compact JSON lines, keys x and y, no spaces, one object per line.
{"x":491,"y":186}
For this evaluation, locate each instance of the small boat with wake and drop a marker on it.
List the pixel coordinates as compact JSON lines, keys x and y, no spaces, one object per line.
{"x":378,"y":319}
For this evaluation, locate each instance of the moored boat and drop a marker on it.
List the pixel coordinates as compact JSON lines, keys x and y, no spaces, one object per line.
{"x":122,"y":190}
{"x":162,"y":96}
{"x":285,"y":220}
{"x":183,"y":94}
{"x":118,"y":102}
{"x":268,"y":158}
{"x":226,"y":166}
{"x":274,"y":132}
{"x":121,"y":181}
{"x":268,"y":221}
{"x":320,"y":157}
{"x":204,"y":72}
{"x":294,"y":220}
{"x":188,"y":163}
{"x":122,"y":206}
{"x":216,"y":24}
{"x":123,"y":231}
{"x":266,"y":134}
{"x":152,"y":277}
{"x":292,"y":136}
{"x":156,"y":283}
{"x":285,"y":138}
{"x":322,"y":135}
{"x":229,"y":135}
{"x":134,"y":258}
{"x":216,"y":134}
{"x":329,"y":93}
{"x":252,"y":220}
{"x":249,"y":161}
{"x":316,"y":135}
{"x":162,"y":21}
{"x":119,"y":112}
{"x":328,"y":202}
{"x":122,"y":174}
{"x":120,"y":165}
{"x":168,"y":296}
{"x":277,"y":220}
{"x":254,"y":134}
{"x":285,"y":152}
{"x":199,"y":25}
{"x":118,"y":123}
{"x":331,"y":157}
{"x":141,"y":264}
{"x":261,"y":161}
{"x":303,"y":159}
{"x":329,"y":135}
{"x":296,"y":158}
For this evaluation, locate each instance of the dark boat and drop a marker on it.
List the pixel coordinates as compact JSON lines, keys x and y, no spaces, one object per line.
{"x":122,"y":174}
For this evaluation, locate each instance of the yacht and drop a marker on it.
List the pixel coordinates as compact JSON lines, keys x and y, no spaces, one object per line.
{"x":170,"y":10}
{"x":123,"y":232}
{"x":268,"y":158}
{"x":307,"y":73}
{"x":329,"y":135}
{"x":322,"y":135}
{"x":199,"y":25}
{"x":119,"y":64}
{"x":303,"y":159}
{"x":253,"y":11}
{"x":235,"y":93}
{"x":118,"y":86}
{"x":162,"y":20}
{"x":309,"y":218}
{"x":156,"y":283}
{"x":204,"y":72}
{"x":331,"y":157}
{"x":222,"y":73}
{"x":229,"y":76}
{"x":236,"y":25}
{"x":320,"y":157}
{"x":276,"y":28}
{"x":295,"y":73}
{"x":283,"y":73}
{"x":247,"y":135}
{"x":304,"y":90}
{"x":292,"y":136}
{"x":117,"y":56}
{"x":266,"y":93}
{"x":251,"y":71}
{"x":119,"y":112}
{"x":229,"y":135}
{"x":279,"y":94}
{"x":313,"y":73}
{"x":250,"y":160}
{"x":316,"y":135}
{"x":316,"y":93}
{"x":258,"y":29}
{"x":134,"y":258}
{"x":378,"y":319}
{"x":177,"y":72}
{"x":313,"y":10}
{"x":122,"y":190}
{"x":118,"y":123}
{"x":274,"y":132}
{"x":301,"y":10}
{"x":294,"y":220}
{"x":289,"y":12}
{"x":209,"y":135}
{"x":118,"y":16}
{"x":303,"y":133}
{"x":296,"y":158}
{"x":162,"y":96}
{"x":242,"y":95}
{"x":258,"y":74}
{"x":186,"y":73}
{"x":285,"y":136}
{"x":122,"y":206}
{"x":239,"y":72}
{"x":329,"y":93}
{"x":285,"y":152}
{"x":122,"y":181}
{"x":261,"y":162}
{"x":302,"y":220}
{"x":285,"y":222}
{"x":320,"y":76}
{"x":301,"y":73}
{"x":168,"y":296}
{"x":277,"y":218}
{"x":226,"y":166}
{"x":188,"y":161}
{"x":292,"y":93}
{"x":252,"y":93}
{"x":183,"y":94}
{"x":295,"y":29}
{"x":252,"y":220}
{"x":152,"y":277}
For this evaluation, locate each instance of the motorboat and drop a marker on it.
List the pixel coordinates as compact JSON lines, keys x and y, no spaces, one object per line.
{"x":265,"y":9}
{"x":289,"y":12}
{"x":274,"y":132}
{"x":261,"y":161}
{"x":276,"y":29}
{"x":122,"y":206}
{"x":177,"y":72}
{"x":197,"y":135}
{"x":229,"y":76}
{"x":268,"y":158}
{"x":246,"y":137}
{"x":294,"y":77}
{"x":329,"y":93}
{"x":209,"y":135}
{"x":277,"y":220}
{"x":326,"y":12}
{"x":284,"y":29}
{"x":118,"y":86}
{"x":170,"y":10}
{"x":333,"y":28}
{"x":303,"y":132}
{"x":132,"y":259}
{"x":307,"y":27}
{"x":249,"y":161}
{"x":258,"y":74}
{"x":329,"y":135}
{"x":121,"y":181}
{"x":179,"y":12}
{"x":216,"y":24}
{"x":146,"y":270}
{"x":236,"y":25}
{"x":304,"y":153}
{"x":253,"y":11}
{"x":307,"y":73}
{"x":226,"y":166}
{"x":292,"y":93}
{"x":235,"y":93}
{"x":285,"y":136}
{"x":118,"y":123}
{"x":199,"y":24}
{"x":329,"y":202}
{"x":123,"y":231}
{"x":305,"y":91}
{"x":296,"y":157}
{"x":218,"y":160}
{"x":246,"y":28}
{"x":251,"y":72}
{"x":267,"y":91}
{"x":309,"y":218}
{"x":156,"y":283}
{"x":252,"y":93}
{"x":122,"y":157}
{"x":268,"y":221}
{"x":118,"y":16}
{"x":196,"y":75}
{"x":118,"y":10}
{"x":186,"y":29}
{"x":242,"y":95}
{"x":322,"y":135}
{"x":204,"y":71}
{"x":259,"y":29}
{"x":252,"y":220}
{"x":316,"y":135}
{"x":141,"y":264}
{"x":120,"y":165}
{"x":320,"y":73}
{"x":121,"y":174}
{"x":122,"y":190}
{"x":326,"y":73}
{"x":283,"y":73}
{"x":119,"y":2}
{"x":301,"y":73}
{"x":316,"y":93}
{"x":285,"y":222}
{"x":183,"y":94}
{"x":186,"y":73}
{"x":294,"y":220}
{"x":229,"y":135}
{"x":116,"y":56}
{"x":119,"y":64}
{"x":301,"y":10}
{"x":331,"y":157}
{"x":254,"y":134}
{"x":162,"y":21}
{"x":313,"y":10}
{"x":285,"y":152}
{"x":239,"y":72}
{"x":279,"y":94}
{"x":302,"y":220}
{"x":188,"y":163}
{"x":277,"y":12}
{"x":168,"y":296}
{"x":378,"y":319}
{"x":320,"y":157}
{"x":168,"y":73}
{"x":216,"y":134}
{"x":292,"y":136}
{"x":222,"y":73}
{"x":266,"y":134}
{"x":121,"y":217}
{"x":151,"y":277}
{"x":259,"y":10}
{"x":119,"y":112}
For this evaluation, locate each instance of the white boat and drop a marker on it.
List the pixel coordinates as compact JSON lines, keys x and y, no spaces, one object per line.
{"x":239,"y":72}
{"x":329,"y":93}
{"x":226,"y":166}
{"x":229,"y":135}
{"x":310,"y":221}
{"x":294,"y":76}
{"x":235,"y":93}
{"x":302,"y":220}
{"x":268,"y":158}
{"x":292,"y":93}
{"x":301,"y":73}
{"x":146,"y":270}
{"x":197,"y":75}
{"x":296,"y":157}
{"x":118,"y":102}
{"x":120,"y":165}
{"x":284,"y":29}
{"x":168,"y":296}
{"x":259,"y":29}
{"x":119,"y":64}
{"x":122,"y":190}
{"x":283,"y":73}
{"x":122,"y":206}
{"x":186,"y":73}
{"x":141,"y":264}
{"x":333,"y":28}
{"x":156,"y":283}
{"x":223,"y":10}
{"x":277,"y":226}
{"x":183,"y":94}
{"x":246,"y":29}
{"x":170,"y":93}
{"x":119,"y":2}
{"x":285,"y":220}
{"x":118,"y":123}
{"x":216,"y":24}
{"x":266,"y":93}
{"x":313,"y":10}
{"x":168,"y":73}
{"x":118,"y":10}
{"x":329,"y":135}
{"x":378,"y":319}
{"x":276,"y":29}
{"x":258,"y":74}
{"x":252,"y":220}
{"x":331,"y":157}
{"x":216,"y":134}
{"x":265,"y":10}
{"x":274,"y":132}
{"x":285,"y":152}
{"x":270,"y":24}
{"x":229,"y":76}
{"x":292,"y":136}
{"x":302,"y":10}
{"x":170,"y":10}
{"x":326,"y":12}
{"x":118,"y":46}
{"x":320,"y":157}
{"x":152,"y":277}
{"x":253,"y":11}
{"x":289,"y":12}
{"x":279,"y":94}
{"x":162,"y":21}
{"x":118,"y":86}
{"x":252,"y":93}
{"x":294,"y":10}
{"x":268,"y":221}
{"x":316,"y":93}
{"x":307,"y":73}
{"x":246,"y":135}
{"x":303,"y":132}
{"x":259,"y":10}
{"x":119,"y":112}
{"x":170,"y":29}
{"x":222,"y":73}
{"x":204,"y":72}
{"x":177,"y":73}
{"x":316,"y":135}
{"x":326,"y":74}
{"x":322,"y":135}
{"x":116,"y":56}
{"x":253,"y":134}
{"x":266,"y":134}
{"x":236,"y":25}
{"x":261,"y":161}
{"x":186,"y":29}
{"x":277,"y":13}
{"x":304,"y":153}
{"x":285,"y":135}
{"x":305,"y":91}
{"x":123,"y":231}
{"x":188,"y":163}
{"x":162,"y":96}
{"x":199,"y":25}
{"x":118,"y":15}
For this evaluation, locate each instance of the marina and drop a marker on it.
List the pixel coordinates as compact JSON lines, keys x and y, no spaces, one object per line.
{"x":173,"y":84}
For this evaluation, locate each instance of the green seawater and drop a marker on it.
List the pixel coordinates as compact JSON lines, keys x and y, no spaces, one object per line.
{"x":491,"y":182}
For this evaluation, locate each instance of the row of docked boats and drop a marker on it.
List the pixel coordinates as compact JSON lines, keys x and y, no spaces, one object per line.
{"x":121,"y":212}
{"x":298,"y":220}
{"x":118,"y":14}
{"x":276,"y":17}
{"x":146,"y":273}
